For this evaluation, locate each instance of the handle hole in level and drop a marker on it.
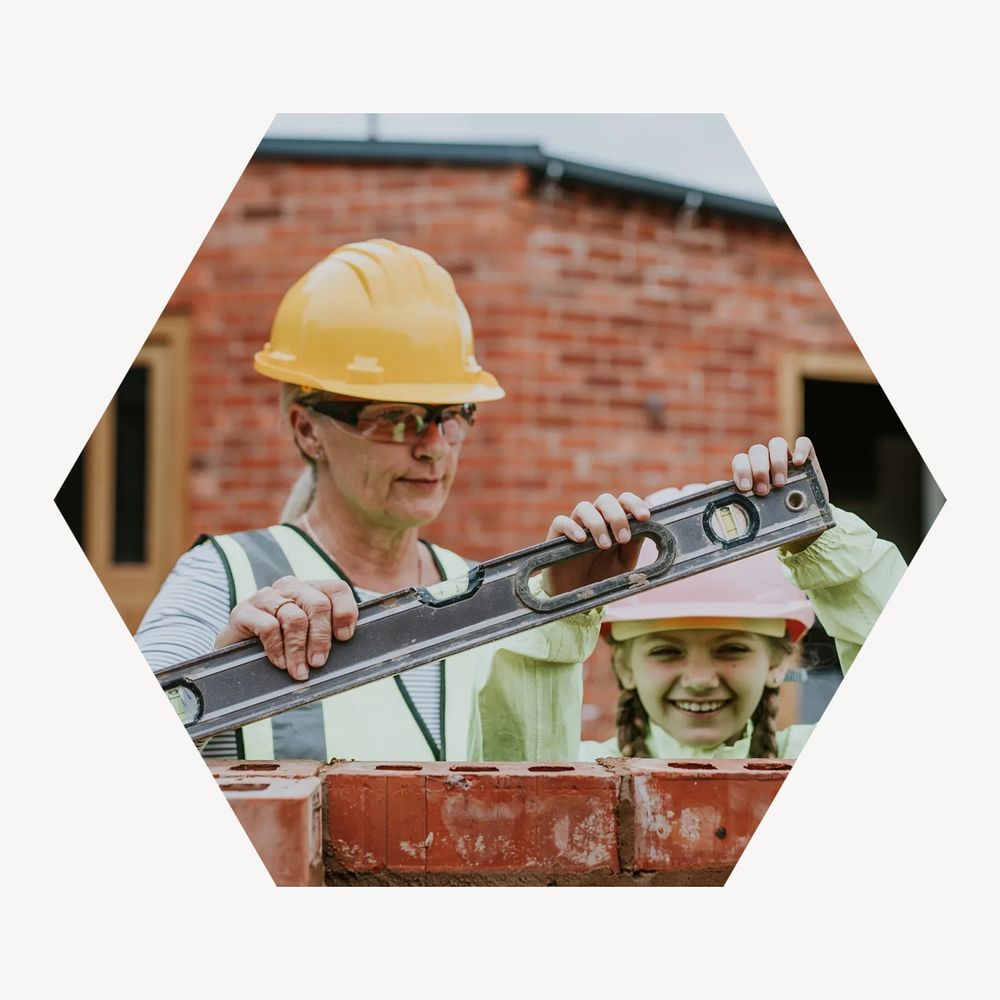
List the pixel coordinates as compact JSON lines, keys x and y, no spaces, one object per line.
{"x":584,"y":557}
{"x":474,"y":768}
{"x":397,"y":767}
{"x":795,"y":500}
{"x":655,"y":533}
{"x":255,"y":767}
{"x":691,"y":765}
{"x":550,"y":767}
{"x":767,"y":766}
{"x":248,"y":787}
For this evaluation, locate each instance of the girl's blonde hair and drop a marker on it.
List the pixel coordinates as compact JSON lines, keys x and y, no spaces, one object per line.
{"x":632,"y":719}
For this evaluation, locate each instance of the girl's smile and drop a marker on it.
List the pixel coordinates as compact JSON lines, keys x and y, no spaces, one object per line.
{"x":700,"y":707}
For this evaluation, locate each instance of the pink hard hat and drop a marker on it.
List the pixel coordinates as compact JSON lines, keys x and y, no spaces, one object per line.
{"x":752,"y":594}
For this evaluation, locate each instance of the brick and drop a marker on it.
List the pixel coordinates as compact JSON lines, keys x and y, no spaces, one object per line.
{"x":264,"y":768}
{"x":699,"y":815}
{"x":482,"y":818}
{"x":283,"y":819}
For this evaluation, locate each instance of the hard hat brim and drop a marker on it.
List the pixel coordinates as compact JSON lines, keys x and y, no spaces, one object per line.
{"x":798,"y":617}
{"x":483,"y":389}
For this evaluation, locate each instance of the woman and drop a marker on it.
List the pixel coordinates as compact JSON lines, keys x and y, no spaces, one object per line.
{"x":375,"y":351}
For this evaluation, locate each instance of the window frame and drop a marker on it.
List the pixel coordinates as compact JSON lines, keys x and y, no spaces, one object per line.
{"x":132,"y":586}
{"x":797,"y":366}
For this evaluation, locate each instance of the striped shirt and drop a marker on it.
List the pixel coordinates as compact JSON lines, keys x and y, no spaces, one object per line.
{"x":192,"y":608}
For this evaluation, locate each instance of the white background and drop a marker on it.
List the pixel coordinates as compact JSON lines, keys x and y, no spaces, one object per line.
{"x":873,"y":127}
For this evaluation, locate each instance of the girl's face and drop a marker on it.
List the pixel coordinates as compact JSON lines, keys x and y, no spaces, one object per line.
{"x":700,"y":685}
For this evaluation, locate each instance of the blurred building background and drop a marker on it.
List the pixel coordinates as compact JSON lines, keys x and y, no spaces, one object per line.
{"x":644,"y":330}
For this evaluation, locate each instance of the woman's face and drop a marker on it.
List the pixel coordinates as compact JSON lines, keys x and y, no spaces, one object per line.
{"x":700,"y":685}
{"x":395,"y":484}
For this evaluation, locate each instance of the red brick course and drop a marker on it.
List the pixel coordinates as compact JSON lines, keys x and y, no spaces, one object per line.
{"x":617,"y":822}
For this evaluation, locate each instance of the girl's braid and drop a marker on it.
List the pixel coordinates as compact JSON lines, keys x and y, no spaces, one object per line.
{"x":764,"y":741}
{"x":633,"y":725}
{"x":631,"y":718}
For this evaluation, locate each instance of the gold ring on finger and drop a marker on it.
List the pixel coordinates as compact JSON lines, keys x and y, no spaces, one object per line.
{"x":287,"y":600}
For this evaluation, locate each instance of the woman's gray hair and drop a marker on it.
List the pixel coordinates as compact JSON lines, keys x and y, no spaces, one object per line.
{"x":301,"y":496}
{"x":299,"y":500}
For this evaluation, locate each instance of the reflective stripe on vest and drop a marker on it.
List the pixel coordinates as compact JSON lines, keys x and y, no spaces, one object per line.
{"x":372,"y":722}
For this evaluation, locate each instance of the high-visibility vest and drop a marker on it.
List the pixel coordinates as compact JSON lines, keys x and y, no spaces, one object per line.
{"x":518,"y":698}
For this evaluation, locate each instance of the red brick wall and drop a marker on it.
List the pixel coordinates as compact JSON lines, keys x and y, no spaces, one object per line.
{"x":584,"y":304}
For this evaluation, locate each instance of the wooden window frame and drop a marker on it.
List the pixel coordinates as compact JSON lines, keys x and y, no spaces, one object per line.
{"x":796,"y":366}
{"x":131,"y":586}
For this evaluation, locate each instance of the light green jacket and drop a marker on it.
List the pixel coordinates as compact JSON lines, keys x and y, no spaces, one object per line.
{"x":514,"y":699}
{"x":849,"y":574}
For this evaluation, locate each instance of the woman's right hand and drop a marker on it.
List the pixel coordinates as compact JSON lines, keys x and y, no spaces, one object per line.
{"x":296,"y":621}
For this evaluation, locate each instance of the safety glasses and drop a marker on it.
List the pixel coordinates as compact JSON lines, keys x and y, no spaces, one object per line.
{"x":400,"y":423}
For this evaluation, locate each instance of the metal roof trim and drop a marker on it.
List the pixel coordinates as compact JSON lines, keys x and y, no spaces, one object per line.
{"x":499,"y":154}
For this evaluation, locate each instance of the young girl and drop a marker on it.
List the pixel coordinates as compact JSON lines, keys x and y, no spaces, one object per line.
{"x":699,"y":661}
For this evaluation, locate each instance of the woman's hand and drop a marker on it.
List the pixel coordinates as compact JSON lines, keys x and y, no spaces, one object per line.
{"x":295,"y":620}
{"x":604,"y":519}
{"x":762,"y":467}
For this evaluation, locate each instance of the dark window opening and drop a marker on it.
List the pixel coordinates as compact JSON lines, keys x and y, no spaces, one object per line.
{"x":870,"y":463}
{"x":131,"y":420}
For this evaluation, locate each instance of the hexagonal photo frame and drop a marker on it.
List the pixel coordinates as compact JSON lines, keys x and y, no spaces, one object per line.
{"x":646,"y":331}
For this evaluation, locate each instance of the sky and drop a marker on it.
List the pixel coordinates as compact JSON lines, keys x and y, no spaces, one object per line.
{"x":696,"y":149}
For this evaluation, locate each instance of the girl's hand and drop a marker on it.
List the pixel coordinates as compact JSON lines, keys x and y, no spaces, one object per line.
{"x":604,"y":519}
{"x":762,"y":467}
{"x":295,"y":620}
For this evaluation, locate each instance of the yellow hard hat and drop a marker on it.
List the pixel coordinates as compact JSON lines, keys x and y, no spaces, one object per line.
{"x":377,"y":320}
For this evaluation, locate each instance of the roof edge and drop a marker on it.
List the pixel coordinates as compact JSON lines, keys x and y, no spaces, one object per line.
{"x":498,"y":154}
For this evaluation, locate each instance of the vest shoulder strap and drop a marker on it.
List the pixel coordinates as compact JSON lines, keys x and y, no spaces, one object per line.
{"x":256,"y":559}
